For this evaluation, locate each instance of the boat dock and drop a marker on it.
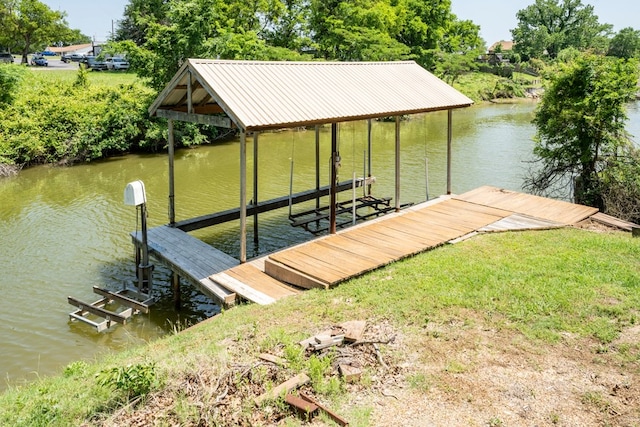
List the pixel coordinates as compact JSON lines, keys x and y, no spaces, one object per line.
{"x":326,"y":261}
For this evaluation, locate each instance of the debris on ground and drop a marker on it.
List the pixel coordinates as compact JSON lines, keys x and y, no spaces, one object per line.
{"x":220,"y":394}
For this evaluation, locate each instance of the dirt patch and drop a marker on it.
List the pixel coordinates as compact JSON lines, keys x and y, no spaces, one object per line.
{"x":449,"y":374}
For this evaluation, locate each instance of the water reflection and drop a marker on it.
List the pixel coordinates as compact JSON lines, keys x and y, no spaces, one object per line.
{"x":65,"y":230}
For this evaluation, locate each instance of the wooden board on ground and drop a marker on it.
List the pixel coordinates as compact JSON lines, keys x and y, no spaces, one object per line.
{"x":283,"y":388}
{"x":353,"y":329}
{"x":614,"y":222}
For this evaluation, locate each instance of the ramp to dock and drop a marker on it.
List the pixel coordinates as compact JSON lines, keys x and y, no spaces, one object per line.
{"x":330,"y":260}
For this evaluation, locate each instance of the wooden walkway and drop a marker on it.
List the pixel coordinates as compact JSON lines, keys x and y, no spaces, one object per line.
{"x":330,"y":260}
{"x":327,"y":261}
{"x":190,"y":258}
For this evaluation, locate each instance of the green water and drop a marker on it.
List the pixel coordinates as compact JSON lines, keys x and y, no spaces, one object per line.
{"x":66,"y":229}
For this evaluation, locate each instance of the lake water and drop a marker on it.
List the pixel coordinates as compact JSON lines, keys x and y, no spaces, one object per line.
{"x":65,"y":230}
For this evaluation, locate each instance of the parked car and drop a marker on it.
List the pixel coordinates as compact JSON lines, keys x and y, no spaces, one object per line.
{"x":6,"y":58}
{"x":74,"y":57}
{"x":94,"y":64}
{"x":48,"y":53}
{"x":39,"y":60}
{"x":116,"y":63}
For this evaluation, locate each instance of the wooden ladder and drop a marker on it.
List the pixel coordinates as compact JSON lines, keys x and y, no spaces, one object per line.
{"x":97,"y":308}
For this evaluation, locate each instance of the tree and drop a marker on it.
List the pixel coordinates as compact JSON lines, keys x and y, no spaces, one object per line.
{"x":357,"y":31}
{"x":425,"y":25}
{"x":458,"y":50}
{"x":625,"y":44}
{"x":29,"y":23}
{"x":548,"y":26}
{"x":581,"y":125}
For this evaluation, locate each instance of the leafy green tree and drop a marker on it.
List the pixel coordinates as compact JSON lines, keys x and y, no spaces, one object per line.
{"x":581,"y":125}
{"x":28,"y":23}
{"x":139,"y":16}
{"x":625,"y":44}
{"x":458,"y":50}
{"x":548,"y":26}
{"x":426,"y":25}
{"x":286,"y":25}
{"x":366,"y":30}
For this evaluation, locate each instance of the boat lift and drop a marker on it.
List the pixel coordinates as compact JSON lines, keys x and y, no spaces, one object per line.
{"x":131,"y":299}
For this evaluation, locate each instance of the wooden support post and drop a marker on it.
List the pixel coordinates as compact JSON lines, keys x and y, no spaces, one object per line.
{"x":175,"y":287}
{"x":397,"y":163}
{"x":334,"y":176}
{"x":172,"y":207}
{"x":449,"y":138}
{"x":255,"y":186}
{"x":189,"y":93}
{"x":243,"y":196}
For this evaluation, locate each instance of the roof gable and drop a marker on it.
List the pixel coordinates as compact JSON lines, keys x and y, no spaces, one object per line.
{"x":259,"y":95}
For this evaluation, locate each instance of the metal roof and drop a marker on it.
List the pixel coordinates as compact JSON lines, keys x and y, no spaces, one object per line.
{"x":258,"y":95}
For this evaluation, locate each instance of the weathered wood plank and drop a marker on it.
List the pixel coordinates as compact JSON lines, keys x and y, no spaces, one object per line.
{"x":613,"y":221}
{"x":257,"y":279}
{"x":283,"y":388}
{"x":190,"y":258}
{"x":287,"y":274}
{"x":242,"y":289}
{"x":535,"y":206}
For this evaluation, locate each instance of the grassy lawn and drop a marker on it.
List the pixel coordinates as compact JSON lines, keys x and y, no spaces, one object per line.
{"x":476,"y":327}
{"x":106,"y":78}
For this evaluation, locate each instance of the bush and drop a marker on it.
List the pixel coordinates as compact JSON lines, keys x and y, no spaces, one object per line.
{"x":620,"y":187}
{"x":10,"y":79}
{"x":132,"y":380}
{"x":80,"y":120}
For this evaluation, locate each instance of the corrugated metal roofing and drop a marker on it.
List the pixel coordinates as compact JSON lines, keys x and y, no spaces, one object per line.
{"x":264,"y":95}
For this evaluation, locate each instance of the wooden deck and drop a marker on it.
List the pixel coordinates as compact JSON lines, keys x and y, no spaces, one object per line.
{"x":327,"y":261}
{"x":330,"y":260}
{"x":191,"y":259}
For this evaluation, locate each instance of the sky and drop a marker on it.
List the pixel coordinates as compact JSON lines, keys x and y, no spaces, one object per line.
{"x":495,"y":17}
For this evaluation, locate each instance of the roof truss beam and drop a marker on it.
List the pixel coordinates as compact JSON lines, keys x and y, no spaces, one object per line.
{"x":203,"y":119}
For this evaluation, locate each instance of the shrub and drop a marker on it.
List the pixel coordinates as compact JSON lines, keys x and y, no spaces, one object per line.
{"x":10,"y":79}
{"x":133,"y":380}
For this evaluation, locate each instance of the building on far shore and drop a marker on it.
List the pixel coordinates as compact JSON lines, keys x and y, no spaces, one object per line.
{"x":93,"y":49}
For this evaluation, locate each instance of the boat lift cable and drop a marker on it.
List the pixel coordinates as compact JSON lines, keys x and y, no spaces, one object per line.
{"x":293,"y":152}
{"x":353,"y":167}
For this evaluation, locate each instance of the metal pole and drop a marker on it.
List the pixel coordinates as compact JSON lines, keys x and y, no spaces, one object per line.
{"x":144,"y":269}
{"x":172,"y":196}
{"x":334,"y":176}
{"x":353,"y":199}
{"x":243,"y":196}
{"x":426,"y":176}
{"x":449,"y":138}
{"x":369,"y":127}
{"x":397,"y":163}
{"x":255,"y":187}
{"x":317,"y":165}
{"x":291,"y":188}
